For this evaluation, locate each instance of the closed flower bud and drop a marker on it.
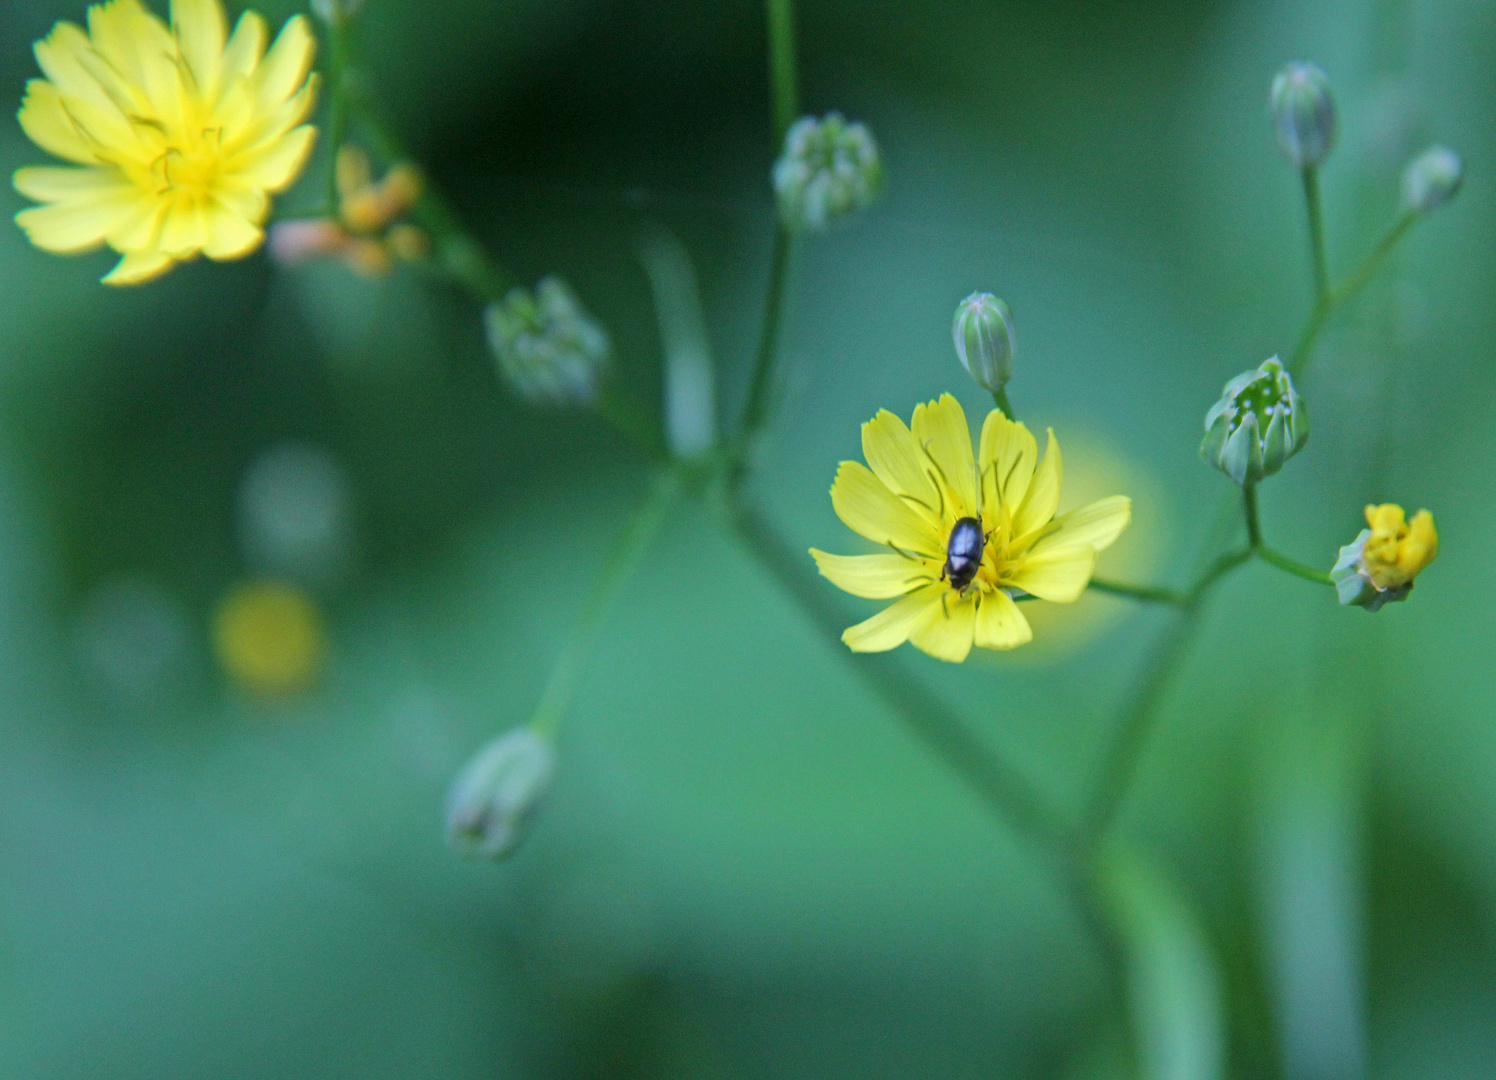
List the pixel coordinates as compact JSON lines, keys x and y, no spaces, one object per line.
{"x":983,"y":330}
{"x":1303,"y":108}
{"x":1379,"y":566}
{"x":549,"y":349}
{"x":1259,"y":423}
{"x":1432,"y":179}
{"x":497,"y":793}
{"x":829,"y":170}
{"x":336,"y":12}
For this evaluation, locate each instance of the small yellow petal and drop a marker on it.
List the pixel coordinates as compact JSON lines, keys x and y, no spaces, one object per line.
{"x":940,"y":429}
{"x":51,"y":184}
{"x":890,"y":627}
{"x":201,"y":30}
{"x":947,"y":629}
{"x":876,"y":577}
{"x":72,"y":227}
{"x":1059,"y":575}
{"x":1043,"y":495}
{"x":1008,"y":456}
{"x":1000,"y":623}
{"x":867,"y":507}
{"x":47,"y":123}
{"x":895,"y":457}
{"x":287,"y":64}
{"x":1096,"y":524}
{"x":276,"y":166}
{"x":139,"y":267}
{"x":229,"y":235}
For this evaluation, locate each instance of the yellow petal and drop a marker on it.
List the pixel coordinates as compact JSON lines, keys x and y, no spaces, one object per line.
{"x":285,"y":67}
{"x":1000,"y":624}
{"x":138,"y":267}
{"x":138,"y":56}
{"x":1096,"y":524}
{"x":229,"y":234}
{"x":1043,"y":494}
{"x":201,"y":31}
{"x":47,"y":123}
{"x":895,"y":457}
{"x":940,"y":429}
{"x":1008,"y":456}
{"x":876,"y":577}
{"x":242,"y":54}
{"x":184,"y":230}
{"x":101,"y":112}
{"x":890,"y":627}
{"x":277,"y":166}
{"x":72,"y":227}
{"x":946,"y":629}
{"x":50,"y":184}
{"x":1060,"y":574}
{"x":867,"y":507}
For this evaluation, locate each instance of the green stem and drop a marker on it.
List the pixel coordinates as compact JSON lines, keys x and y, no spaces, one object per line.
{"x":1267,"y":554}
{"x":1317,"y":235}
{"x":784,"y":89}
{"x":1303,"y":352}
{"x":339,"y":50}
{"x":761,"y":384}
{"x":1000,"y":399}
{"x":1153,"y":594}
{"x":619,"y":565}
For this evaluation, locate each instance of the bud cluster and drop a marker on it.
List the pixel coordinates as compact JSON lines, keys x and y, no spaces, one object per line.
{"x":1258,"y":424}
{"x":829,"y":170}
{"x":495,"y":796}
{"x":550,"y":350}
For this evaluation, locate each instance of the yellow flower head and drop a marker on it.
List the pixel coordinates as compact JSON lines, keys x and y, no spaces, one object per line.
{"x":270,"y":638}
{"x":1397,"y":549}
{"x":180,"y":132}
{"x":965,"y":534}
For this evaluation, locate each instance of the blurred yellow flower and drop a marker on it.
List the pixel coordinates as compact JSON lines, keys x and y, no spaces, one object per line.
{"x":181,"y":133}
{"x":269,"y":638}
{"x":966,"y":534}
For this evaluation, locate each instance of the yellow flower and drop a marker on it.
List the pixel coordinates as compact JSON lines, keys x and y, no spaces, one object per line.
{"x":181,"y":134}
{"x":1379,"y":566}
{"x":269,"y":638}
{"x":1398,"y":549}
{"x":925,"y":496}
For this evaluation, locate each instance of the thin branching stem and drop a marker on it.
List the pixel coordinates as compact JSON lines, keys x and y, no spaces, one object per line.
{"x":1267,"y":554}
{"x":1150,"y":594}
{"x":1317,"y":257}
{"x":761,"y":383}
{"x":339,"y":50}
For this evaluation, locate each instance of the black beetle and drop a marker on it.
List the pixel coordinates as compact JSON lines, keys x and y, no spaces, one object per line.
{"x":963,"y":552}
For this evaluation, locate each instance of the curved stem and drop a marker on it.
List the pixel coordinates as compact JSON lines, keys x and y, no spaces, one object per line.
{"x":616,"y":569}
{"x":1153,"y":594}
{"x":1267,"y":554}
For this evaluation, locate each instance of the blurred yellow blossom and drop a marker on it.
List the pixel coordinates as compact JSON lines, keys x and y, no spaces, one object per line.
{"x":1379,"y":566}
{"x":269,"y":638}
{"x":179,"y":133}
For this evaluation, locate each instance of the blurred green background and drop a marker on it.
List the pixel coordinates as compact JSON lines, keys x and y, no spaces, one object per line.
{"x":748,"y":868}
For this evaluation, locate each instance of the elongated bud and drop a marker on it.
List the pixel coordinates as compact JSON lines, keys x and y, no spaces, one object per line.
{"x":1432,"y":179}
{"x":496,"y":795}
{"x":336,"y":12}
{"x":1303,"y":108}
{"x":829,"y":170}
{"x":1259,"y":423}
{"x":549,"y":349}
{"x":983,"y":331}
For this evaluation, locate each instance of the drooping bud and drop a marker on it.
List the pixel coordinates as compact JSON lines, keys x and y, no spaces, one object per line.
{"x":336,"y":12}
{"x":829,"y":170}
{"x":1432,"y":179}
{"x":1258,"y":424}
{"x":983,"y":331}
{"x":496,"y":794}
{"x":1379,"y":566}
{"x":550,"y":349}
{"x":1303,"y":108}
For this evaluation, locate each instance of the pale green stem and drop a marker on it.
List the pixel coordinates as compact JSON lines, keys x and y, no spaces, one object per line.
{"x":1267,"y":554}
{"x":630,"y":546}
{"x":1317,"y":236}
{"x":761,"y":383}
{"x":1151,"y":594}
{"x":784,"y":68}
{"x":1000,"y":399}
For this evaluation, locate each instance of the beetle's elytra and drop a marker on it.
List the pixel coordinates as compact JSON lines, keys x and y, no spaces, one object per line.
{"x":963,"y":552}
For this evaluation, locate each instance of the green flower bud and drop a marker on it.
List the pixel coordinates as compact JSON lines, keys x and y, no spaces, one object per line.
{"x":549,"y":349}
{"x":336,"y":12}
{"x":829,"y":170}
{"x":1432,"y":179}
{"x":983,"y":331}
{"x":497,"y":793}
{"x":1303,"y":110}
{"x":1259,"y":423}
{"x":1354,"y":586}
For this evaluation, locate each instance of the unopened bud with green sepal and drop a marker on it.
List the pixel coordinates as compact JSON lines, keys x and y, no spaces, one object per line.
{"x":983,"y":331}
{"x":1432,"y":179}
{"x":549,"y":348}
{"x":494,"y":797}
{"x":1258,"y":424}
{"x":829,"y":170}
{"x":1303,"y":108}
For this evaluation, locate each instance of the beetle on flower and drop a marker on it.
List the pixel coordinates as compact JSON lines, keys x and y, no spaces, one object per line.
{"x":966,"y":535}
